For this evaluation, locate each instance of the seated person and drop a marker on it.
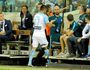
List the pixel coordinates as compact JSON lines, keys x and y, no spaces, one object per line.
{"x":84,"y":40}
{"x":26,"y":21}
{"x":72,"y":27}
{"x":5,"y":30}
{"x":72,"y":40}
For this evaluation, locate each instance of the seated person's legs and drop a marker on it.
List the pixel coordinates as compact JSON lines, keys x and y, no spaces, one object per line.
{"x":3,"y":38}
{"x":66,"y":44}
{"x":83,"y":47}
{"x":88,"y":55}
{"x":85,"y":43}
{"x":71,"y":43}
{"x":62,"y":43}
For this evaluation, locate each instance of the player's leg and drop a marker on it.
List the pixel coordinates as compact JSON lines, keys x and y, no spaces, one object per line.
{"x":32,"y":53}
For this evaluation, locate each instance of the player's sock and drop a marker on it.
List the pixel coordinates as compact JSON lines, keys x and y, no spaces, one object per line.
{"x":32,"y":53}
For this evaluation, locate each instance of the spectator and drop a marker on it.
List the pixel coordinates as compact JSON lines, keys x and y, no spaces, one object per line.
{"x":26,"y":18}
{"x":71,"y":30}
{"x":5,"y":30}
{"x":84,"y":40}
{"x":26,"y":21}
{"x":72,"y":41}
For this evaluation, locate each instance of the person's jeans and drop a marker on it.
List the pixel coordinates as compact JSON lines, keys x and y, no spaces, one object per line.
{"x":71,"y":45}
{"x":89,"y":50}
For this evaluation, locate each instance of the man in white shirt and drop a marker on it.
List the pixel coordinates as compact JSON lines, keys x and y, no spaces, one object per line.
{"x":40,"y":21}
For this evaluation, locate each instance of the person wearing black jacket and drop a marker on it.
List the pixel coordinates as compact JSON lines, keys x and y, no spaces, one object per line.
{"x":26,"y":18}
{"x":26,"y":21}
{"x":5,"y":30}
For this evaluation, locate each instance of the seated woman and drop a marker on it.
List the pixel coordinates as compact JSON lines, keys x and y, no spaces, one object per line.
{"x":26,"y":21}
{"x":72,"y":26}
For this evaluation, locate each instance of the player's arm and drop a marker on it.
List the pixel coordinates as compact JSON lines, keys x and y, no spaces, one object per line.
{"x":50,"y":24}
{"x":46,"y":20}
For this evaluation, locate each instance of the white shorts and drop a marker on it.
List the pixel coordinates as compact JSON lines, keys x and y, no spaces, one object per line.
{"x":39,"y":40}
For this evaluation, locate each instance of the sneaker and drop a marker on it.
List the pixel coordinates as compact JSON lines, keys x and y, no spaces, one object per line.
{"x":70,"y":55}
{"x":30,"y":65}
{"x":46,"y":65}
{"x":65,"y":55}
{"x":87,"y":56}
{"x":60,"y":54}
{"x":78,"y":55}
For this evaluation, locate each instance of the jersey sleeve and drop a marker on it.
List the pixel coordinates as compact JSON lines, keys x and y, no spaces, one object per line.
{"x":75,"y":26}
{"x":46,"y":19}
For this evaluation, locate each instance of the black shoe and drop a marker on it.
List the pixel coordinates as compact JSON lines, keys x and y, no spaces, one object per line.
{"x":0,"y":52}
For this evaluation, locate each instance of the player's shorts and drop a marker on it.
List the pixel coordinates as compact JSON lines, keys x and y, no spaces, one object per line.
{"x":39,"y":40}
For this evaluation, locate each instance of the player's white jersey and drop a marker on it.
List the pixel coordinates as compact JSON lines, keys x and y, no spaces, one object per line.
{"x":40,"y":21}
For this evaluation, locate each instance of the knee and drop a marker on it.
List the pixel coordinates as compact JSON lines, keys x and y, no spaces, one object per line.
{"x":34,"y":48}
{"x":65,"y":38}
{"x":61,"y":37}
{"x":45,"y":45}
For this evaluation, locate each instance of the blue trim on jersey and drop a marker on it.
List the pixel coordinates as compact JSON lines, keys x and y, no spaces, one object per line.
{"x":74,"y":25}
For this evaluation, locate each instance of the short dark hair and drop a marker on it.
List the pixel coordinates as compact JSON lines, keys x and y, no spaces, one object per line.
{"x":43,"y":7}
{"x":87,"y":16}
{"x":56,"y":5}
{"x":40,"y":3}
{"x":84,"y":8}
{"x":70,"y":17}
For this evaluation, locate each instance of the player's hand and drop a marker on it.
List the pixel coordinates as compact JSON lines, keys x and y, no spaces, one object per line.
{"x":2,"y":33}
{"x":52,"y":21}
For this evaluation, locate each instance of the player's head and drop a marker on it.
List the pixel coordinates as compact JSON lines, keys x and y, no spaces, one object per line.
{"x":43,"y":8}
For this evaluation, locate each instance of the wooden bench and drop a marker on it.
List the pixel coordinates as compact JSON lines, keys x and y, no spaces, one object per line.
{"x":18,"y":43}
{"x":54,"y":45}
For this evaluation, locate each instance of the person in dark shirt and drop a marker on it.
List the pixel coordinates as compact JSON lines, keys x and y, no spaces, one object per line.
{"x":56,"y":30}
{"x":72,"y":41}
{"x":26,"y":18}
{"x":26,"y":21}
{"x":84,"y":40}
{"x":70,"y":31}
{"x":5,"y":30}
